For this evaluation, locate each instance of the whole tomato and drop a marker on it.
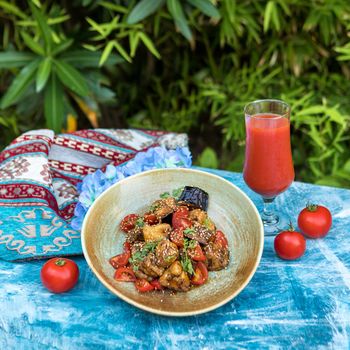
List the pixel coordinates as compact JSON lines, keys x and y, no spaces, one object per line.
{"x":290,"y":245}
{"x":59,"y":275}
{"x":315,"y":221}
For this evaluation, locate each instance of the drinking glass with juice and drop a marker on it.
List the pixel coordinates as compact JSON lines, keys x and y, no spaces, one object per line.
{"x":268,"y":167}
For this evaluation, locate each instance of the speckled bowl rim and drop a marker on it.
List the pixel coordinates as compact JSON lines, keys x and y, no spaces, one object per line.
{"x":174,"y":313}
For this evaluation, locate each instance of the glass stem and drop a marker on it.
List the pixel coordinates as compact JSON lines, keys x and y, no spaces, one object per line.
{"x":269,"y":217}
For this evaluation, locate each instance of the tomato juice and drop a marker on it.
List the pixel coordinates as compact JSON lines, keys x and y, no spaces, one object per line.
{"x":268,"y":168}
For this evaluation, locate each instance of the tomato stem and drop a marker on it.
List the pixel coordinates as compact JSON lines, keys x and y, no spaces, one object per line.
{"x":311,"y":206}
{"x":60,"y":262}
{"x":291,"y":227}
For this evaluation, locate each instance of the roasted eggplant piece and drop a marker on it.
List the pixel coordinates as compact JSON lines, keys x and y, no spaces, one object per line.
{"x":194,"y":197}
{"x":218,"y":257}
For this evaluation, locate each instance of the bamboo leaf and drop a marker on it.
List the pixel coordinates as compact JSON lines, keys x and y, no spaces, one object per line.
{"x":20,"y":84}
{"x":122,"y":52}
{"x":13,"y":9}
{"x":143,"y":9}
{"x":13,"y":59}
{"x":70,"y":77}
{"x":43,"y":73}
{"x":268,"y":15}
{"x":149,"y":44}
{"x":64,"y":45}
{"x":175,"y":9}
{"x":53,"y":104}
{"x":113,"y":7}
{"x":106,"y":52}
{"x":206,"y":7}
{"x":43,"y":26}
{"x":32,"y":44}
{"x":88,"y":59}
{"x":134,"y":39}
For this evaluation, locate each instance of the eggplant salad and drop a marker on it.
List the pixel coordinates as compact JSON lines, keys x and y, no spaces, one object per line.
{"x":173,"y":245}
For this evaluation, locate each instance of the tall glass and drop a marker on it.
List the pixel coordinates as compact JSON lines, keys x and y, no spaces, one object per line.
{"x":268,"y":167}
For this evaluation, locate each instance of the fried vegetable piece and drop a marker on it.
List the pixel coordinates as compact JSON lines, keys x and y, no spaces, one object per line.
{"x":155,"y":232}
{"x":163,"y":207}
{"x":199,"y":233}
{"x":175,"y":278}
{"x":218,"y":256}
{"x":201,"y":217}
{"x":166,"y":253}
{"x":149,"y":266}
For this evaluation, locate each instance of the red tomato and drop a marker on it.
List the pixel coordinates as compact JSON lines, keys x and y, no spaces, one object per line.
{"x":125,"y":274}
{"x":183,"y":210}
{"x":142,"y":285}
{"x":120,"y":260}
{"x":290,"y":245}
{"x":220,"y":239}
{"x":59,"y":274}
{"x":180,"y":222}
{"x":129,"y":222}
{"x":200,"y":274}
{"x":177,"y":237}
{"x":196,"y":253}
{"x":315,"y":221}
{"x":150,"y":219}
{"x":156,"y":285}
{"x":127,"y":247}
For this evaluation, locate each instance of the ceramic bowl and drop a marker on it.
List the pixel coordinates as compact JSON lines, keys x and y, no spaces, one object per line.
{"x":231,"y":210}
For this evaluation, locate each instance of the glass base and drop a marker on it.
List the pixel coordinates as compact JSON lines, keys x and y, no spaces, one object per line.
{"x":274,"y":224}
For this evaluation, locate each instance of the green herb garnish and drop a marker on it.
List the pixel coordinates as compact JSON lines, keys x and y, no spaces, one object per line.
{"x":154,"y":207}
{"x":165,"y":195}
{"x":177,"y":192}
{"x":189,"y":231}
{"x":186,"y":264}
{"x":207,"y":223}
{"x":139,"y":256}
{"x":185,"y":260}
{"x":140,"y":222}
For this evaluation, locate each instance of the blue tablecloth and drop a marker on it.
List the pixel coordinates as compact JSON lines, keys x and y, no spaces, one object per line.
{"x":300,"y":304}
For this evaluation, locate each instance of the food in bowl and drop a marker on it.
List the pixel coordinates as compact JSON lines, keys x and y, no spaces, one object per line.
{"x":172,"y":245}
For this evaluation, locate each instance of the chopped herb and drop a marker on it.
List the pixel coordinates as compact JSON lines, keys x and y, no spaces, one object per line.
{"x":140,"y":222}
{"x":154,"y":207}
{"x":189,"y":231}
{"x":177,"y":192}
{"x":207,"y":223}
{"x":187,"y":264}
{"x":165,"y":195}
{"x":138,"y":256}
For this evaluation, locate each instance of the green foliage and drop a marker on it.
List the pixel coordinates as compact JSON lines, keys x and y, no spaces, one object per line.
{"x":187,"y":66}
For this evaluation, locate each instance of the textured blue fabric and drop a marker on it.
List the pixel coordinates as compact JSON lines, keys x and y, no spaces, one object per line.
{"x":303,"y":304}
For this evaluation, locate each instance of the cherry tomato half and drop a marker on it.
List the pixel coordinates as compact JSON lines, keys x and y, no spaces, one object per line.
{"x":120,"y":260}
{"x":290,"y":245}
{"x":156,"y":284}
{"x":180,"y":222}
{"x":315,"y":221}
{"x":200,"y":274}
{"x":142,"y":285}
{"x":129,"y":222}
{"x":177,"y":237}
{"x":220,"y":239}
{"x":125,"y":274}
{"x":183,"y":210}
{"x":196,"y":253}
{"x":59,"y":274}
